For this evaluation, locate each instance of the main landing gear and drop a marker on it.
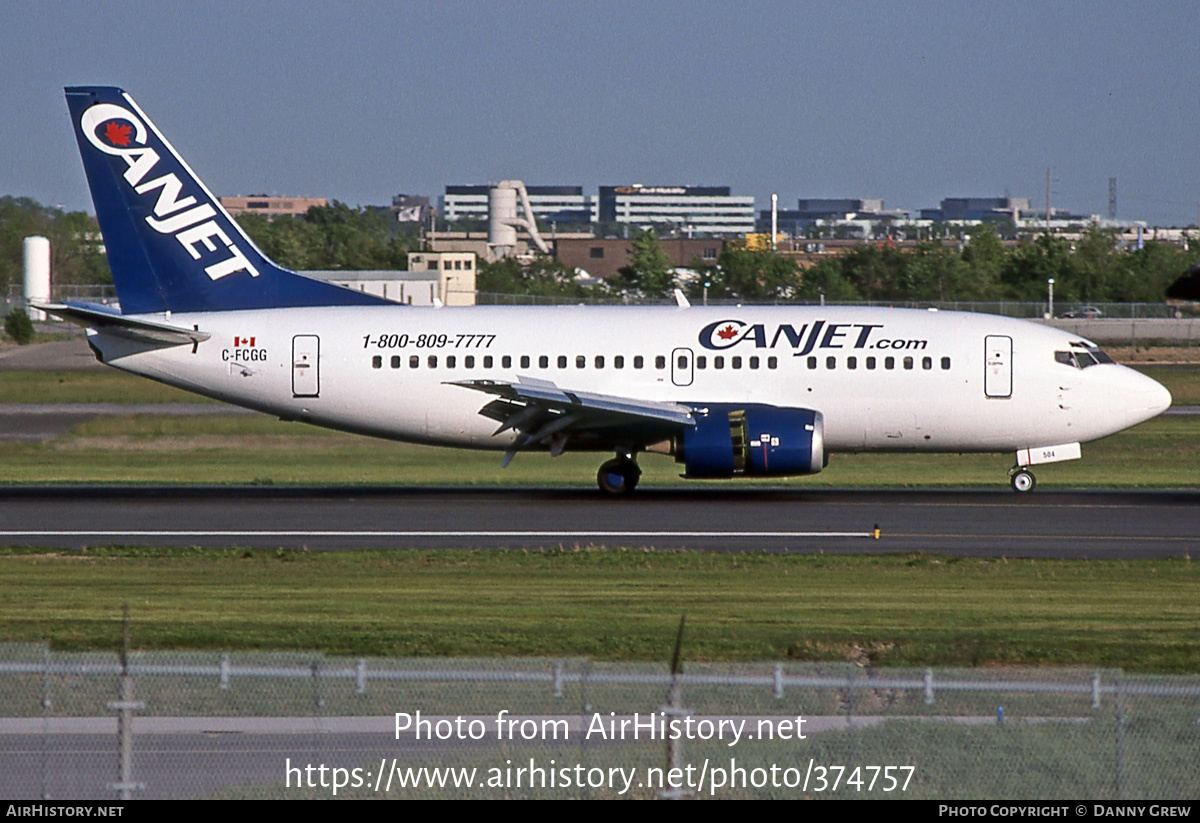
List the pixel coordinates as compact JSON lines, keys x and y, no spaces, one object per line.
{"x":1022,"y":479}
{"x":619,"y":476}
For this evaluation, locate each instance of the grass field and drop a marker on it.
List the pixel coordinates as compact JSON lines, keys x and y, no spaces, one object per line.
{"x":614,"y":605}
{"x":261,"y":450}
{"x":602,"y":605}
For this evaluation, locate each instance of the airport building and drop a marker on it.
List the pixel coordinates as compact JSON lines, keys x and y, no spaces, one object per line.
{"x":978,"y":208}
{"x":602,"y":257}
{"x":811,"y":210}
{"x":432,"y":276}
{"x":691,"y":210}
{"x":566,"y":205}
{"x":271,"y":206}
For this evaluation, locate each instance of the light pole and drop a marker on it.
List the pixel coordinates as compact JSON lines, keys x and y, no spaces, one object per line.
{"x":1050,"y":288}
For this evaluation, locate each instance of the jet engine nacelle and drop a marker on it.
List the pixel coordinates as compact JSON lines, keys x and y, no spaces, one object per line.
{"x":752,"y":439}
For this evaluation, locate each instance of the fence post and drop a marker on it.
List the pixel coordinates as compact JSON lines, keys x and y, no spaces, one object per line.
{"x":1120,"y":733}
{"x":125,"y":707}
{"x":929,"y":687}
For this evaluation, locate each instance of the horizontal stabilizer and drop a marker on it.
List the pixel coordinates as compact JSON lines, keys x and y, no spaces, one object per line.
{"x":104,"y":320}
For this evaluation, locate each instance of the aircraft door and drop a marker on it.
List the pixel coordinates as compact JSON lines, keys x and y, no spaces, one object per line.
{"x":997,"y":376}
{"x":306,"y":378}
{"x":681,"y":367}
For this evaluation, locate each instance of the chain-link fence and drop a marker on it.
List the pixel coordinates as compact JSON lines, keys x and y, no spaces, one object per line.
{"x":172,"y":725}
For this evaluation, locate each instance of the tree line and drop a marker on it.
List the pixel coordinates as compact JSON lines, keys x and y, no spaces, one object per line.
{"x":336,"y":236}
{"x":1093,"y":268}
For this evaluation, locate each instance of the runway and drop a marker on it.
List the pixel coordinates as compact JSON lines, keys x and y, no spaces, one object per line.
{"x":986,"y":523}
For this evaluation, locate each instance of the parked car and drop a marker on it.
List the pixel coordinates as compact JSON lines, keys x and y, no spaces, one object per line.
{"x":1088,"y":312}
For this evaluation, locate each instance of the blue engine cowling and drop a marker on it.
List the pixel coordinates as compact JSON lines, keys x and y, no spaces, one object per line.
{"x":753,"y":439}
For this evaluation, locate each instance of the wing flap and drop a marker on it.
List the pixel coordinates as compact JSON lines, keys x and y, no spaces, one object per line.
{"x":545,"y":414}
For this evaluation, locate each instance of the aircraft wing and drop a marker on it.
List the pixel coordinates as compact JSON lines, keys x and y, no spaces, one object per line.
{"x":547,"y":415}
{"x":100,"y":319}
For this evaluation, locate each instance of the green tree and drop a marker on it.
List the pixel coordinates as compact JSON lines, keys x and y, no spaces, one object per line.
{"x":984,"y":256}
{"x":1027,"y":269}
{"x":75,"y":255}
{"x":744,"y":274}
{"x":649,"y":272}
{"x":18,"y":326}
{"x":543,"y":276}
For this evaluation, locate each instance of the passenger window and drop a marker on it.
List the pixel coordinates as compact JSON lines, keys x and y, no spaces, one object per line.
{"x":852,"y":362}
{"x":927,"y":363}
{"x":831,"y":362}
{"x":377,"y":362}
{"x":660,"y":362}
{"x":870,"y":362}
{"x":812,"y":362}
{"x":889,"y":363}
{"x":395,"y":361}
{"x":562,"y":361}
{"x":414,"y":362}
{"x":433,"y":361}
{"x":469,"y":361}
{"x":946,"y":364}
{"x":718,"y":362}
{"x":524,"y":361}
{"x":638,"y":362}
{"x":754,"y":362}
{"x":451,"y":360}
{"x":736,"y":362}
{"x":772,"y":362}
{"x":681,"y":361}
{"x":487,"y":361}
{"x":908,"y":362}
{"x":701,"y":362}
{"x":544,"y":361}
{"x":599,"y":361}
{"x":580,"y":361}
{"x":619,"y":361}
{"x":505,"y":362}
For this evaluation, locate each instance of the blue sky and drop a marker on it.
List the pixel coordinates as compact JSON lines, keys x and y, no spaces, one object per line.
{"x":357,"y":101}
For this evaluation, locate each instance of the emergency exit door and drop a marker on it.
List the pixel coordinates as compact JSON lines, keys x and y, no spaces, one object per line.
{"x":997,"y":376}
{"x":306,"y":378}
{"x":681,"y":367}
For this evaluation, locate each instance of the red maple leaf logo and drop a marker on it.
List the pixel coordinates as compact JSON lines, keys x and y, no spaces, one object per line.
{"x":117,"y":135}
{"x":727,"y":333}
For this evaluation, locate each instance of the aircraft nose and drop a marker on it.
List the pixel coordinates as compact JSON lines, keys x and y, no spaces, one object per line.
{"x":1145,"y":398}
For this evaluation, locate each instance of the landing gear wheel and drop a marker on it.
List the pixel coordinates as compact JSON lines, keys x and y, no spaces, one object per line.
{"x":618,"y":476}
{"x":1023,"y":481}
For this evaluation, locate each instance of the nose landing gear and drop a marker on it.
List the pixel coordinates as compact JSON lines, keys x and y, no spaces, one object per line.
{"x":619,"y":476}
{"x":1022,"y":480}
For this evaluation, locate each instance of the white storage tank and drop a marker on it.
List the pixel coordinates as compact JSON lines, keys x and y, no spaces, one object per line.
{"x":37,"y":274}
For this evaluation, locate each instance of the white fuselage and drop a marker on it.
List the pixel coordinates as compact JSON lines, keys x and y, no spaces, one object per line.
{"x":884,"y":379}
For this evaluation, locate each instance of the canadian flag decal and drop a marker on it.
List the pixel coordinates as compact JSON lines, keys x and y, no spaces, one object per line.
{"x":243,"y":341}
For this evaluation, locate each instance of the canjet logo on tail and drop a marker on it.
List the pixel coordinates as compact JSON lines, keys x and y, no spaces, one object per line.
{"x":819,"y":334}
{"x":116,"y":131}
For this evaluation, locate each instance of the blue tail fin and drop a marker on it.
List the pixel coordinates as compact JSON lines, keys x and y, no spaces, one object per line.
{"x":171,"y":245}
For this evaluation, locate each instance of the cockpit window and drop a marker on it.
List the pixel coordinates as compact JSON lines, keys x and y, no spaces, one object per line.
{"x":1083,"y":357}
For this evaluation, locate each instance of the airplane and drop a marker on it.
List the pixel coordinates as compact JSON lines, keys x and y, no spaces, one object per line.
{"x":745,"y":391}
